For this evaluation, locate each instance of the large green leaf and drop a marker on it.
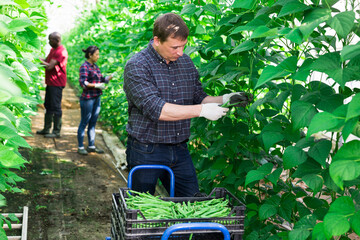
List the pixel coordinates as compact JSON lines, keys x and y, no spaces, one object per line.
{"x":245,"y":46}
{"x":189,"y":9}
{"x":292,"y":7}
{"x":336,"y":224}
{"x":247,"y":4}
{"x":319,"y":233}
{"x":342,"y":23}
{"x":346,"y":163}
{"x":343,"y":205}
{"x":6,"y":132}
{"x":270,"y":72}
{"x":212,"y":8}
{"x":6,"y":50}
{"x":350,"y":128}
{"x":258,"y":174}
{"x":293,"y":156}
{"x":350,"y":51}
{"x":314,"y":181}
{"x":320,"y":151}
{"x":271,"y":134}
{"x":10,"y":159}
{"x":353,"y":108}
{"x":301,"y":114}
{"x":23,"y":3}
{"x":263,"y":31}
{"x":355,"y":223}
{"x":299,"y":234}
{"x":266,"y":211}
{"x":324,"y":121}
{"x":19,"y":24}
{"x":17,"y":141}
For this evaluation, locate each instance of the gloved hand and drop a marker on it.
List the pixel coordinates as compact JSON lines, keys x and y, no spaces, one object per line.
{"x":226,"y":97}
{"x":241,"y":100}
{"x":212,"y":111}
{"x":100,"y":85}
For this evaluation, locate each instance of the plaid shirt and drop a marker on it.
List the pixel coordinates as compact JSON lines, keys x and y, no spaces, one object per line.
{"x":149,"y":83}
{"x":92,"y":74}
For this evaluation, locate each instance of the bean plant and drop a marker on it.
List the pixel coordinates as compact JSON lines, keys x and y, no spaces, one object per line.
{"x":21,"y":27}
{"x":288,"y":155}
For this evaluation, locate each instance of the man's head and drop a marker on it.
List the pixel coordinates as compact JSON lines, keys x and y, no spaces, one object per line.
{"x":170,"y":36}
{"x":54,"y":39}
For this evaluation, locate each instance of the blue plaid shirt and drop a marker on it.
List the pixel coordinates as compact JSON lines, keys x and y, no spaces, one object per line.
{"x":92,"y":74}
{"x":149,"y":83}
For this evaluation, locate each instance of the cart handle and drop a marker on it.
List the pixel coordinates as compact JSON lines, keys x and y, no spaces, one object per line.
{"x":196,"y":226}
{"x":172,"y":177}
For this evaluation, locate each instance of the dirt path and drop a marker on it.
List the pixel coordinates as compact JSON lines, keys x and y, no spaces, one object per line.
{"x":68,"y":195}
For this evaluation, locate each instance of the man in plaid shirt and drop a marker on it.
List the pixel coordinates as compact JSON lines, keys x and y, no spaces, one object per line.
{"x":164,"y":92}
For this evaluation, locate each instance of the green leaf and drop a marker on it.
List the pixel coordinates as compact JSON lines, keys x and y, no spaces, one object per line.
{"x":212,"y":8}
{"x":293,"y":156}
{"x":19,"y":24}
{"x":214,"y":44}
{"x":343,"y":205}
{"x":344,"y":171}
{"x":299,"y":234}
{"x":8,"y":2}
{"x":246,"y":4}
{"x":6,"y":132}
{"x":295,"y":36}
{"x":355,"y":222}
{"x":263,"y":31}
{"x":353,"y":108}
{"x":269,"y":73}
{"x":258,"y":174}
{"x":342,"y":23}
{"x":20,"y":70}
{"x":9,"y":159}
{"x":324,"y":121}
{"x":23,"y":4}
{"x":314,"y":181}
{"x":18,"y":142}
{"x":292,"y":7}
{"x":189,"y":9}
{"x":350,"y":52}
{"x":319,"y":232}
{"x":329,"y":3}
{"x":6,"y":51}
{"x":320,"y":151}
{"x":245,"y":46}
{"x":275,"y":176}
{"x":266,"y":211}
{"x":349,"y":151}
{"x":271,"y":134}
{"x":301,"y":114}
{"x":336,"y":224}
{"x":350,"y":127}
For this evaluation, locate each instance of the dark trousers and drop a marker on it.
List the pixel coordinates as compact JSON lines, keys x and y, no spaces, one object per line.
{"x":177,"y":157}
{"x":53,"y":96}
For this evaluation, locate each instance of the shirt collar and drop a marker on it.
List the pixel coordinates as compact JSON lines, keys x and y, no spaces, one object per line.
{"x":155,"y":53}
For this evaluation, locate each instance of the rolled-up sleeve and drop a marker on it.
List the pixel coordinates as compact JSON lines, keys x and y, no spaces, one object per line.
{"x":83,"y":75}
{"x":141,"y":91}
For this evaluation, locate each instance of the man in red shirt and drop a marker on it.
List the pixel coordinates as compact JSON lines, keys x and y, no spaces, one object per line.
{"x":55,"y":80}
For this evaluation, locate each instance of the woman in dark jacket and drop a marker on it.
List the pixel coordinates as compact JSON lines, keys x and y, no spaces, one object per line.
{"x":92,"y":82}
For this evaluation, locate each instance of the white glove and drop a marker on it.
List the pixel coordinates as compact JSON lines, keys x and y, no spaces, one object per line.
{"x":212,"y":111}
{"x":100,"y":85}
{"x":226,"y":97}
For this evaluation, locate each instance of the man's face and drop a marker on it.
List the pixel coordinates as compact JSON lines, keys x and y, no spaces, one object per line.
{"x":171,"y":49}
{"x":53,"y":41}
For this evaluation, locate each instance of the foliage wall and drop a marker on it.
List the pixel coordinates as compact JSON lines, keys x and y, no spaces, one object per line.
{"x":21,"y":25}
{"x":299,"y":59}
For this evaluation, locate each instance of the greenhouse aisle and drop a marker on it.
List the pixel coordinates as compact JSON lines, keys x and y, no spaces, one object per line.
{"x":68,"y":195}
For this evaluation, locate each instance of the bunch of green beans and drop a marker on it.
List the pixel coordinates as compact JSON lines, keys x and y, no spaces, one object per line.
{"x":152,"y":207}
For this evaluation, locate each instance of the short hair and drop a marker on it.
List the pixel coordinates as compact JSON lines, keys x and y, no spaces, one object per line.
{"x":170,"y":25}
{"x":56,"y":36}
{"x":90,"y":51}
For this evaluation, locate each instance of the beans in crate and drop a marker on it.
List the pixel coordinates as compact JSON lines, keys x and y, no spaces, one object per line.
{"x":132,"y":224}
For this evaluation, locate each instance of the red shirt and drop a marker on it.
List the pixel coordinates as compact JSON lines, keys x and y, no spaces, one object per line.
{"x":57,"y":75}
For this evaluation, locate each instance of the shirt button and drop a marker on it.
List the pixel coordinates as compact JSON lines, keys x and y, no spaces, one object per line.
{"x":173,"y":84}
{"x":175,"y":100}
{"x":178,"y":134}
{"x":169,"y":67}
